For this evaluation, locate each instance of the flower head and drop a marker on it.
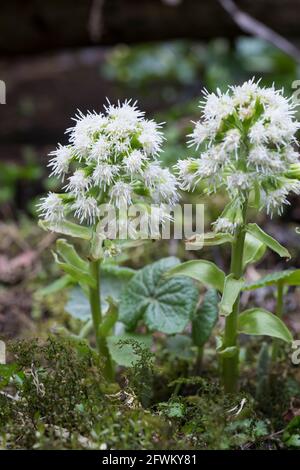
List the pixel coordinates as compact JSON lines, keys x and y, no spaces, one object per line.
{"x":110,"y":158}
{"x":245,"y":142}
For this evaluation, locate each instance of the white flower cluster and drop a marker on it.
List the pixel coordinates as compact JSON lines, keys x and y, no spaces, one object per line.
{"x":111,"y":158}
{"x":246,"y":142}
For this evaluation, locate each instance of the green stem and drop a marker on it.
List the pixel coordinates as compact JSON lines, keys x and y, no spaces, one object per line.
{"x":279,"y":313}
{"x":95,"y":304}
{"x":230,"y":364}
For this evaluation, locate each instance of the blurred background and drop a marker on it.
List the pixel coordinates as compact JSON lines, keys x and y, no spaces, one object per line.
{"x":59,"y":56}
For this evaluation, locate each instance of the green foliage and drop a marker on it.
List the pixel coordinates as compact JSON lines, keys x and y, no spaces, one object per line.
{"x":65,"y":403}
{"x":162,"y":303}
{"x":232,"y":289}
{"x":290,"y":277}
{"x":270,"y":242}
{"x":203,"y":271}
{"x":125,"y":348}
{"x":69,"y":228}
{"x":257,"y":321}
{"x":179,"y":347}
{"x":254,"y":250}
{"x":291,"y":436}
{"x":205,"y":318}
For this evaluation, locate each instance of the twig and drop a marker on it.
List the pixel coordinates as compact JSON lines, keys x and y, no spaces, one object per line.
{"x":252,"y":26}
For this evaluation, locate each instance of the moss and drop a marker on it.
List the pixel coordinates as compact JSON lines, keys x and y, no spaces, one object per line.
{"x":55,"y":397}
{"x":62,"y":401}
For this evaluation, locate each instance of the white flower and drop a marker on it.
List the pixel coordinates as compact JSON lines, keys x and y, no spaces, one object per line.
{"x":125,"y":112}
{"x":244,"y":93}
{"x":78,"y":182}
{"x":81,"y":135}
{"x":150,"y":137}
{"x":52,"y":208}
{"x":238,"y":181}
{"x":222,"y":224}
{"x":121,"y":194}
{"x":134,"y":161}
{"x":247,"y":137}
{"x":61,"y":160}
{"x":184,"y":169}
{"x":100,"y":150}
{"x":276,"y":199}
{"x":152,"y":174}
{"x":86,"y":209}
{"x":246,"y":112}
{"x":113,"y":161}
{"x":166,"y":188}
{"x":217,"y":106}
{"x":257,"y":133}
{"x":232,"y":140}
{"x":200,"y":134}
{"x":104,"y":174}
{"x":291,"y":155}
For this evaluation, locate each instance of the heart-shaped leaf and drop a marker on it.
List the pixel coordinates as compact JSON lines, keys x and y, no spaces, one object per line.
{"x":203,"y":271}
{"x":257,"y":321}
{"x":163,"y":303}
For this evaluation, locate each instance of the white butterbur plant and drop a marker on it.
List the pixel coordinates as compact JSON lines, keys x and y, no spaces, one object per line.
{"x":111,"y":159}
{"x":245,"y":146}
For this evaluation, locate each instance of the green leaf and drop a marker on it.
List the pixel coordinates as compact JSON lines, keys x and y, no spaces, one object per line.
{"x":124,"y":354}
{"x":164,"y":304}
{"x":203,"y":271}
{"x":232,"y":288}
{"x":69,"y":255}
{"x":205,"y":318}
{"x":78,"y":305}
{"x":112,"y":282}
{"x":231,"y":351}
{"x":254,"y":250}
{"x":290,"y":277}
{"x":257,"y":321}
{"x":179,"y":346}
{"x":270,"y":242}
{"x":291,"y":435}
{"x":121,"y":272}
{"x":68,"y":228}
{"x":79,"y":275}
{"x":57,"y":285}
{"x":7,"y":372}
{"x":208,"y":239}
{"x":110,"y":318}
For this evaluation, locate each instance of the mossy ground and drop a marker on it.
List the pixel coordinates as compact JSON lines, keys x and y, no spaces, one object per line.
{"x":54,"y":397}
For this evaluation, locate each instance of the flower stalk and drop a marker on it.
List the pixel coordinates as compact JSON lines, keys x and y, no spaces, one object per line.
{"x":95,"y":304}
{"x":279,"y":313}
{"x":230,"y":364}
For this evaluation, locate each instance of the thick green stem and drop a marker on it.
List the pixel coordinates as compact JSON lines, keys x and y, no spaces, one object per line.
{"x":95,"y":303}
{"x":230,"y":364}
{"x":279,"y":313}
